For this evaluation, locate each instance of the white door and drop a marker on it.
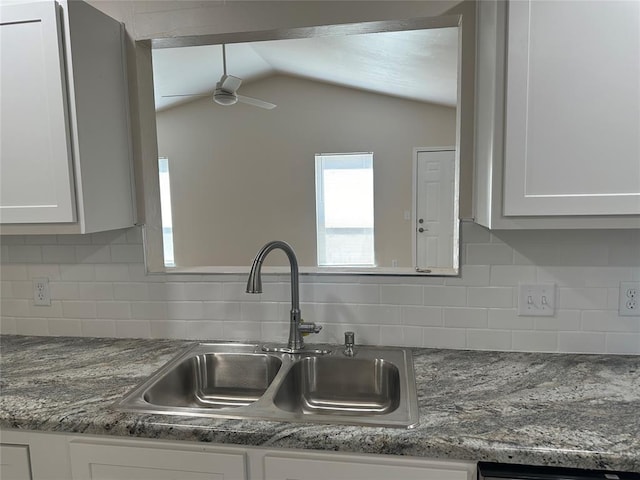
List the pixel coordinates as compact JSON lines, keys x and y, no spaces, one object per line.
{"x":434,"y":208}
{"x":36,"y":176}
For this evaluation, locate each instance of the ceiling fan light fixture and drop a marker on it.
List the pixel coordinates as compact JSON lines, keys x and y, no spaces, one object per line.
{"x":225,"y":98}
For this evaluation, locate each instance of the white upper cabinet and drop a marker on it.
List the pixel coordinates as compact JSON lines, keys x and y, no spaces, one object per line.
{"x":65,"y":154}
{"x":558,"y":114}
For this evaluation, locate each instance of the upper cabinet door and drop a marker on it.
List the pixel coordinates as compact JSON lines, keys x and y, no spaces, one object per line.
{"x":36,"y":172}
{"x":572,"y":140}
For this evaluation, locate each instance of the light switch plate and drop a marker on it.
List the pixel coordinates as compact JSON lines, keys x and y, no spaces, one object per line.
{"x":537,"y":300}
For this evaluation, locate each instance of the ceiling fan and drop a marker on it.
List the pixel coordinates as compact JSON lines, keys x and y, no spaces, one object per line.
{"x":226,"y":91}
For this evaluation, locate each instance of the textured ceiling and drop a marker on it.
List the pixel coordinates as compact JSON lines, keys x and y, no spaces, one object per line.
{"x":418,"y":64}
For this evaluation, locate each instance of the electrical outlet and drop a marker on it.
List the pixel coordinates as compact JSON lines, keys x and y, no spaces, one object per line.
{"x":536,"y":300}
{"x":41,"y":295}
{"x":629,"y":305}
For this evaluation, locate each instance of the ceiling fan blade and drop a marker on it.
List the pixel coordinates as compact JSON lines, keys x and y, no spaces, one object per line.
{"x":256,"y":102}
{"x":188,"y":95}
{"x":230,"y":83}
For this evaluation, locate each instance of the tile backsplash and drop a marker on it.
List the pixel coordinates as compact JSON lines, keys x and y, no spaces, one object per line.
{"x":99,"y":287}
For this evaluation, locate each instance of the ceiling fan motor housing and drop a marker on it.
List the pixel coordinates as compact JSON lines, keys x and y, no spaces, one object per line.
{"x":223,"y":97}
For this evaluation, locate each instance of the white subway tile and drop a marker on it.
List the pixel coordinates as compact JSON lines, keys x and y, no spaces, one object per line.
{"x":470,"y":275}
{"x":98,"y":328}
{"x":608,"y":321}
{"x":49,"y":311}
{"x":185,"y":310}
{"x":80,"y":309}
{"x":241,"y":331}
{"x":623,"y":343}
{"x":65,"y":327}
{"x":445,"y":296}
{"x":96,"y":291}
{"x":24,"y":254}
{"x":32,"y":326}
{"x":583,"y":255}
{"x":168,"y":329}
{"x":157,"y":291}
{"x":508,"y":319}
{"x":74,"y":239}
{"x":581,"y":342}
{"x":340,"y":293}
{"x":134,"y":235}
{"x":112,"y":272}
{"x":138,"y":273}
{"x":204,"y":330}
{"x":236,"y":292}
{"x":613,"y":298}
{"x":465,"y":317}
{"x":7,"y":325}
{"x":12,"y":239}
{"x":13,"y":272}
{"x":77,"y":272}
{"x":489,"y":339}
{"x":50,"y":271}
{"x":221,"y":311}
{"x":534,"y":341}
{"x":22,"y":290}
{"x":40,"y":240}
{"x":490,"y":297}
{"x":12,"y":307}
{"x":276,"y":292}
{"x":391,"y":335}
{"x":564,"y":320}
{"x":512,"y":275}
{"x":133,"y":329}
{"x":606,"y":276}
{"x":563,"y":276}
{"x":149,"y":310}
{"x":582,"y":298}
{"x":413,"y":336}
{"x":93,"y":254}
{"x":110,"y":237}
{"x":131,"y":291}
{"x":259,"y":311}
{"x":64,"y":291}
{"x":422,"y":316}
{"x":59,"y":254}
{"x":126,"y":253}
{"x":6,"y":290}
{"x":401,"y":294}
{"x":489,"y":254}
{"x":473,"y":233}
{"x":444,"y":337}
{"x":380,"y":314}
{"x":113,"y":310}
{"x":276,"y":332}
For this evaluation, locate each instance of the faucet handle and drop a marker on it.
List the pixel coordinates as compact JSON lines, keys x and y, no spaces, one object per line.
{"x":349,"y":343}
{"x":307,"y":328}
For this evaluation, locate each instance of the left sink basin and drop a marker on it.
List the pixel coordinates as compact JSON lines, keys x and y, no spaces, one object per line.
{"x":214,"y":380}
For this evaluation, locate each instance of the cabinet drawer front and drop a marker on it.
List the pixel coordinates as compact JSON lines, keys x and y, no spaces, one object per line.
{"x":572,"y":109}
{"x":360,"y":468}
{"x":36,"y":173}
{"x":14,"y":462}
{"x":98,"y":461}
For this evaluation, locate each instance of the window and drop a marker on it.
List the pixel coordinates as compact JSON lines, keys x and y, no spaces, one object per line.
{"x":344,"y":209}
{"x":165,"y":210}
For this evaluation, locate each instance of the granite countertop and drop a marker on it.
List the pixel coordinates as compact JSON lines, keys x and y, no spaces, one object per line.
{"x":530,"y":408}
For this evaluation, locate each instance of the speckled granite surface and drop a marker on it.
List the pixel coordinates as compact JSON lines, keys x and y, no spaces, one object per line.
{"x":546,"y":409}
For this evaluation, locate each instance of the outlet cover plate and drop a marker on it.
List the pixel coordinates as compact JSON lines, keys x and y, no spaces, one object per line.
{"x":629,"y":305}
{"x":536,"y":300}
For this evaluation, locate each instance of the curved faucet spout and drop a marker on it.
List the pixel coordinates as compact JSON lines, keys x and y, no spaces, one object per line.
{"x":254,"y":285}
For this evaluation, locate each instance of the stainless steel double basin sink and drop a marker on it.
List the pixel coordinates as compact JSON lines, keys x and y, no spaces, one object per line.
{"x":230,"y":380}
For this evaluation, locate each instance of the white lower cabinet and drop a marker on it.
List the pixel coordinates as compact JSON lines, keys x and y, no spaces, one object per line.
{"x":14,"y":462}
{"x":84,"y":457}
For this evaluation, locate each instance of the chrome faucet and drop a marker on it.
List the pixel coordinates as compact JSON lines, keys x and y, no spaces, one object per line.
{"x":296,"y":325}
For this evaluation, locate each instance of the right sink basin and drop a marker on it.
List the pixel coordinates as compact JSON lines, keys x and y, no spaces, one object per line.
{"x":340,"y":386}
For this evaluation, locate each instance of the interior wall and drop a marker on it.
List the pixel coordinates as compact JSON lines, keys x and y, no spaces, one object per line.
{"x":242,"y":176}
